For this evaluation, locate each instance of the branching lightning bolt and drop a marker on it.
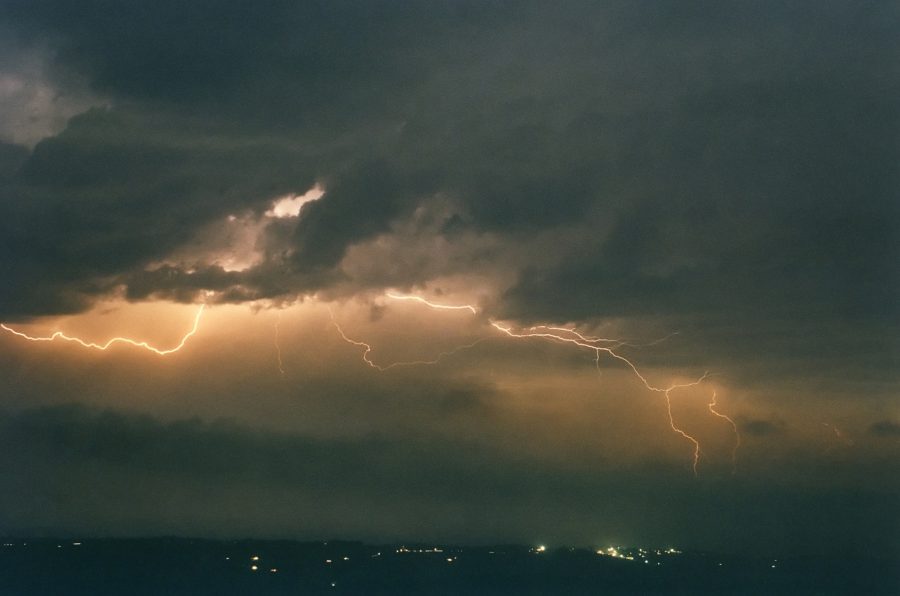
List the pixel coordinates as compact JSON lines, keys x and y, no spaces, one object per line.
{"x":668,"y":395}
{"x":737,"y":436}
{"x":563,"y":335}
{"x":591,"y":344}
{"x":368,"y":350}
{"x":124,"y":340}
{"x":616,"y":343}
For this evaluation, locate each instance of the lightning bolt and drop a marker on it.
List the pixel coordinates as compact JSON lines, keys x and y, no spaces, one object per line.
{"x":361,"y":344}
{"x":737,"y":436}
{"x":617,"y":343}
{"x":667,"y":393}
{"x":563,"y":335}
{"x":124,"y":340}
{"x":278,"y":346}
{"x":368,"y":350}
{"x":840,"y":435}
{"x":582,"y":341}
{"x":421,"y":300}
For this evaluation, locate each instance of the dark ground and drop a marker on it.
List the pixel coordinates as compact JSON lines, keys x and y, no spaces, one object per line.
{"x":173,"y":566}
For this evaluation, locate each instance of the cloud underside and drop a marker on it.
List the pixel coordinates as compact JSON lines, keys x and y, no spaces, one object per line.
{"x":693,"y":161}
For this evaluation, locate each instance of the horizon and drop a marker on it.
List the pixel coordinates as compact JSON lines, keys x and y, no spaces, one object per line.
{"x":426,"y":546}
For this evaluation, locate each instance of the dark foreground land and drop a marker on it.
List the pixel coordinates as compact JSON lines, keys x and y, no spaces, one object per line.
{"x":170,"y":566}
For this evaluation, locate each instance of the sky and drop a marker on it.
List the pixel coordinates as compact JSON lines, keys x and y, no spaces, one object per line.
{"x":669,"y":232}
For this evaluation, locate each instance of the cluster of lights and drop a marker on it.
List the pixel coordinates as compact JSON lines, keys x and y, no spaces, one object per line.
{"x":255,"y":563}
{"x":433,"y":549}
{"x":639,"y":554}
{"x":612,"y":551}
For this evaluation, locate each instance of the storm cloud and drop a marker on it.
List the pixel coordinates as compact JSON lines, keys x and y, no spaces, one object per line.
{"x":703,"y":159}
{"x":726,"y":171}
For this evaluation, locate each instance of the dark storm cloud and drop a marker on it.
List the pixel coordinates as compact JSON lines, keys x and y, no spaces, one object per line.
{"x":69,"y":464}
{"x":227,"y":452}
{"x":739,"y":158}
{"x":116,"y":191}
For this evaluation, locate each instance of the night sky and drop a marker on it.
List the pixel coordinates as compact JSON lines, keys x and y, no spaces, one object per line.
{"x":712,"y":186}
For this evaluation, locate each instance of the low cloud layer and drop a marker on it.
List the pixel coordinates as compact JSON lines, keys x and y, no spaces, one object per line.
{"x":377,"y":488}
